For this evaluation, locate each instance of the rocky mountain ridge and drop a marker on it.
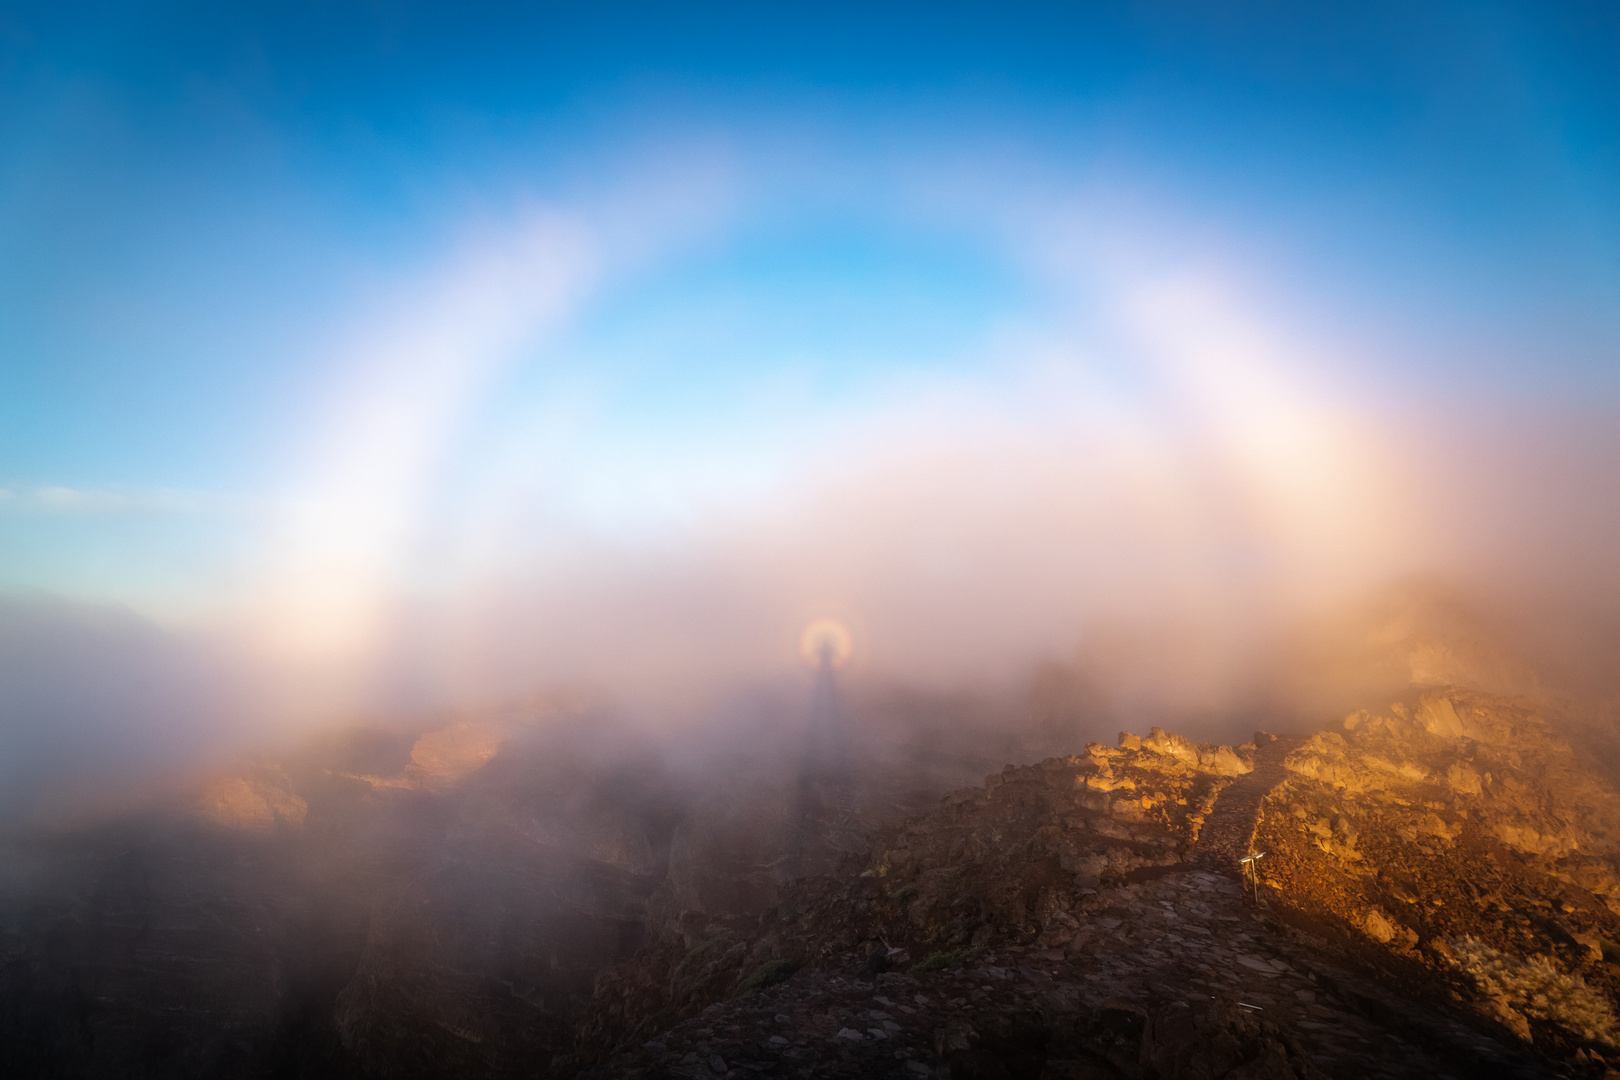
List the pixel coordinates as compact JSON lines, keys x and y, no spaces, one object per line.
{"x":1435,"y":897}
{"x":402,"y":903}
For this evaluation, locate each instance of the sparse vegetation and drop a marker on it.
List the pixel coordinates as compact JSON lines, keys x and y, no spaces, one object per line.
{"x":947,"y":960}
{"x":767,"y":975}
{"x":1537,"y":987}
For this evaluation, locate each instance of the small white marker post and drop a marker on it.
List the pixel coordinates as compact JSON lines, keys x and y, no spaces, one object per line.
{"x":1251,"y":873}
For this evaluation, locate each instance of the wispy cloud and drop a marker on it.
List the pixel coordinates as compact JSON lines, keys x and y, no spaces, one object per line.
{"x":109,"y":502}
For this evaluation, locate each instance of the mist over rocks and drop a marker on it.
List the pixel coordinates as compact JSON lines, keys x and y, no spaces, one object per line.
{"x":422,"y":901}
{"x":341,"y":911}
{"x":548,"y":888}
{"x":1433,"y":897}
{"x":98,"y":698}
{"x":258,"y":801}
{"x":1039,"y":925}
{"x":935,"y":541}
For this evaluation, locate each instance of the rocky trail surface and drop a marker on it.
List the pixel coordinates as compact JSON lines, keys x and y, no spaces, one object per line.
{"x":1439,"y":898}
{"x":1086,"y":917}
{"x":1228,"y":833}
{"x":1176,"y":978}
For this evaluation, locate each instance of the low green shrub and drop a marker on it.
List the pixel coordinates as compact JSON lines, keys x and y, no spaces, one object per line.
{"x":767,"y":975}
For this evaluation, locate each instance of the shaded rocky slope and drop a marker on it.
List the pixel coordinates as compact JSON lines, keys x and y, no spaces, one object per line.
{"x":357,"y":909}
{"x":417,"y":904}
{"x":512,"y":895}
{"x":1432,"y":901}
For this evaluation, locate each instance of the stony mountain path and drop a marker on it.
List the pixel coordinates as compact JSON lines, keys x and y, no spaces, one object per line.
{"x":1191,"y":936}
{"x":1184,"y":939}
{"x":1227,"y":833}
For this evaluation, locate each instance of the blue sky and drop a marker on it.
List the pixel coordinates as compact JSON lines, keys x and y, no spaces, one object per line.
{"x":445,"y":301}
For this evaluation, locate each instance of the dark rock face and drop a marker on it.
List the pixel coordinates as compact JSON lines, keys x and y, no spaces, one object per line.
{"x":143,"y":954}
{"x":1031,"y":845}
{"x":1088,"y":917}
{"x":902,"y":1025}
{"x":386,"y":905}
{"x":314,"y":919}
{"x":480,"y":964}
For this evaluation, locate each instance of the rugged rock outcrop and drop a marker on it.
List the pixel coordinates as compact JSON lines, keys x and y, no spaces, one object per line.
{"x":1455,"y":837}
{"x":1001,"y":859}
{"x":1436,"y":894}
{"x":1089,"y":917}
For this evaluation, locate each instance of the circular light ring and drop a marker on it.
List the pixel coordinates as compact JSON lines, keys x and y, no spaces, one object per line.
{"x":826,"y":641}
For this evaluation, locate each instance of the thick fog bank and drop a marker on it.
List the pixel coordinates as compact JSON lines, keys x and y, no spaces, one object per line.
{"x":102,"y":707}
{"x":98,"y":698}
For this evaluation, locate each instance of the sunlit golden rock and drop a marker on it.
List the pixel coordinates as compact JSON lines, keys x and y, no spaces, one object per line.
{"x":1476,"y":820}
{"x":251,"y":803}
{"x":448,"y":754}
